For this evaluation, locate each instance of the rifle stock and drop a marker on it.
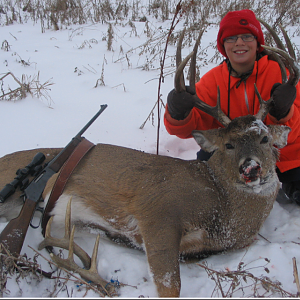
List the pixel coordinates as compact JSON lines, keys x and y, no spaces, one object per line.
{"x":13,"y":235}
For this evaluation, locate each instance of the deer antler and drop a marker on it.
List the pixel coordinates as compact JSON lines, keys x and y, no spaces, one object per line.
{"x":284,"y":59}
{"x":265,"y":106}
{"x":179,"y":84}
{"x":90,"y":272}
{"x":65,"y":241}
{"x":277,"y":39}
{"x":289,"y":62}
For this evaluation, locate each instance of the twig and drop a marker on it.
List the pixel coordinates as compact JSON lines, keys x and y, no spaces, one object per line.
{"x":172,"y":27}
{"x":14,"y":77}
{"x":42,"y":272}
{"x":233,"y":275}
{"x":151,"y":112}
{"x":295,"y":272}
{"x":264,"y":238}
{"x":120,"y":85}
{"x":13,"y":36}
{"x":92,"y":71}
{"x":65,"y":270}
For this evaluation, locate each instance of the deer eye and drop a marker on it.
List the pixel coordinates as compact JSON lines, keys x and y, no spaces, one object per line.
{"x":229,"y":146}
{"x":264,"y":140}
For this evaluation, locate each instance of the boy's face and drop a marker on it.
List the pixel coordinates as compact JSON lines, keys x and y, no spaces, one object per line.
{"x":241,"y":54}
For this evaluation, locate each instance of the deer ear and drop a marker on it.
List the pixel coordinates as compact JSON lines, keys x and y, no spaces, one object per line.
{"x":207,"y":139}
{"x":280,"y":134}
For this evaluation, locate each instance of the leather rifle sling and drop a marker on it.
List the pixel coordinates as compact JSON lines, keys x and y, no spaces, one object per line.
{"x":82,"y":148}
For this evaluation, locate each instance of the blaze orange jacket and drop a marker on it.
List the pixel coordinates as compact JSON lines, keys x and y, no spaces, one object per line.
{"x":243,"y":101}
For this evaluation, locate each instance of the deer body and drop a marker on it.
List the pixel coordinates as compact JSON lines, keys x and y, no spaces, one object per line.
{"x":168,"y":206}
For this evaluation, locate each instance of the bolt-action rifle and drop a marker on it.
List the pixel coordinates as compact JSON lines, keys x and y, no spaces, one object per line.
{"x":13,"y":235}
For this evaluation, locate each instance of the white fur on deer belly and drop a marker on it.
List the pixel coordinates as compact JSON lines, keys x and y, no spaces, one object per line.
{"x":83,"y":215}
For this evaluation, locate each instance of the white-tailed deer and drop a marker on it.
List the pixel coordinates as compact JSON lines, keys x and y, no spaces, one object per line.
{"x":165,"y":206}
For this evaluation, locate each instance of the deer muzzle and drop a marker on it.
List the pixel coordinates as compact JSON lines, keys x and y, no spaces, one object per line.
{"x":250,"y":170}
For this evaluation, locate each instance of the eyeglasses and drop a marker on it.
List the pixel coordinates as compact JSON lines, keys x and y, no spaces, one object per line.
{"x":244,"y":37}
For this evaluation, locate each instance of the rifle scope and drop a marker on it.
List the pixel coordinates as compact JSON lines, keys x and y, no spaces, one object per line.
{"x":20,"y":179}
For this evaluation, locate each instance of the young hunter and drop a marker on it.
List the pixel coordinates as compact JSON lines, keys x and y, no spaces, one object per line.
{"x":239,"y":40}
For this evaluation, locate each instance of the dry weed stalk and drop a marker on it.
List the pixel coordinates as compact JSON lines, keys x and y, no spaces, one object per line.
{"x":100,"y":81}
{"x":177,"y":16}
{"x":180,"y":11}
{"x":230,"y":284}
{"x":21,"y":266}
{"x":175,"y":21}
{"x":5,"y":46}
{"x":121,"y":84}
{"x":85,"y":44}
{"x":88,"y":286}
{"x":296,"y":276}
{"x":110,"y":37}
{"x":15,"y":94}
{"x":28,"y":84}
{"x":38,"y":89}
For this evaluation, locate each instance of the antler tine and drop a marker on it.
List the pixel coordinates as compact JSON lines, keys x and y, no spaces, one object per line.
{"x":179,"y":84}
{"x":193,"y":61}
{"x":71,"y":244}
{"x":214,"y":111}
{"x":265,"y":106}
{"x":290,"y":63}
{"x":273,"y":33}
{"x":93,"y":267}
{"x":68,"y":219}
{"x":89,"y":274}
{"x":179,"y":74}
{"x":274,"y":56}
{"x":64,"y":242}
{"x":288,"y":42}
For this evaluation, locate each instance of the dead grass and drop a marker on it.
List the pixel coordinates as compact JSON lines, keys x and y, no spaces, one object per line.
{"x":27,"y":84}
{"x":242,"y":283}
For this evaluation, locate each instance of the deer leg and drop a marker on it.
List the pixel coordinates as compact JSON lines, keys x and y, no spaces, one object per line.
{"x":163,"y":258}
{"x":165,"y":269}
{"x":89,"y":273}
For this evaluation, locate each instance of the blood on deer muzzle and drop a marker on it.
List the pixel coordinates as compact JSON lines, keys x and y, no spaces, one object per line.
{"x":250,"y":170}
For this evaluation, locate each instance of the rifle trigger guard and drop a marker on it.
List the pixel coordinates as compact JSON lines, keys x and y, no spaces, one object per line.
{"x":41,"y":210}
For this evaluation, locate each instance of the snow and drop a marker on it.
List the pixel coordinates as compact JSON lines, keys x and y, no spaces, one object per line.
{"x":73,"y":59}
{"x":258,"y":126}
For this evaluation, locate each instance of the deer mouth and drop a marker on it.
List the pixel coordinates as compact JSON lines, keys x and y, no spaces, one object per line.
{"x":250,"y":171}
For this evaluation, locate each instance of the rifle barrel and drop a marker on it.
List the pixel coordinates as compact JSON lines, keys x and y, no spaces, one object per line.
{"x":80,"y":133}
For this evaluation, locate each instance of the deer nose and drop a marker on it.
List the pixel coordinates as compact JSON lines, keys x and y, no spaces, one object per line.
{"x":250,"y":170}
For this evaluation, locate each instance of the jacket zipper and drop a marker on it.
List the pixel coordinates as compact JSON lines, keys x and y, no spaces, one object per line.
{"x":246,"y":97}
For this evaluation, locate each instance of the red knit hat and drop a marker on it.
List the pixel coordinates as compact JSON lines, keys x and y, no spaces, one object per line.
{"x":239,"y":22}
